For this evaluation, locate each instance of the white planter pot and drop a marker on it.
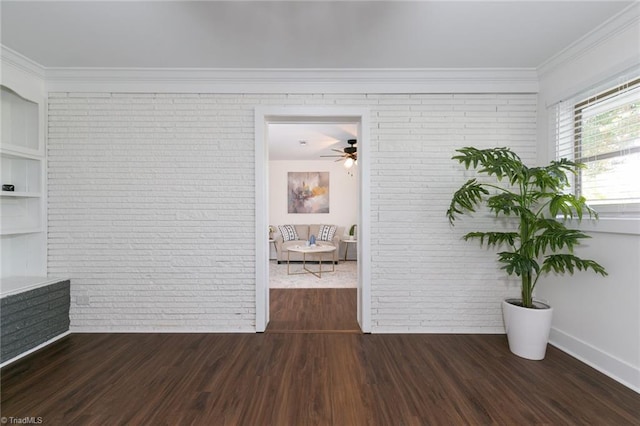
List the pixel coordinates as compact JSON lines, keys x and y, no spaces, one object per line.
{"x":527,"y":329}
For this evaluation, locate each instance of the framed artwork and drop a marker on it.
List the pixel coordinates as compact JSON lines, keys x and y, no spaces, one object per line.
{"x":308,"y":192}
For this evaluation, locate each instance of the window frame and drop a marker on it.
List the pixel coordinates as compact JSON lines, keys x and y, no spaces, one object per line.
{"x":578,"y":108}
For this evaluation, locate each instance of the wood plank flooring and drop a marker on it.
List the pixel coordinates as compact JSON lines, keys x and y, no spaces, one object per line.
{"x":312,"y":310}
{"x":321,"y":378}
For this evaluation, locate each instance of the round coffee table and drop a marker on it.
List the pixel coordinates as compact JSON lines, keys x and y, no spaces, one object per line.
{"x":317,"y":250}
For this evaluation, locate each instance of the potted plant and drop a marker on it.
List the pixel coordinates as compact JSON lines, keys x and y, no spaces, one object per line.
{"x":536,"y":240}
{"x":352,"y":232}
{"x":272,"y":229}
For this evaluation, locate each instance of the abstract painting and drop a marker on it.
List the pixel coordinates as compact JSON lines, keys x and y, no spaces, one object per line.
{"x":308,"y":192}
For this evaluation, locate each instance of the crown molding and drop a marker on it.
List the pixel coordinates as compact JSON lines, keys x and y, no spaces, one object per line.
{"x":628,"y":17}
{"x":231,"y":80}
{"x":158,"y":80}
{"x":16,"y":60}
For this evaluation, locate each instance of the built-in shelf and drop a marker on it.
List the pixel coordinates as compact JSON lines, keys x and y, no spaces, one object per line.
{"x":19,"y":231}
{"x":20,"y":214}
{"x":13,"y":152}
{"x":13,"y":194}
{"x":22,"y":211}
{"x":24,"y":173}
{"x":20,"y":119}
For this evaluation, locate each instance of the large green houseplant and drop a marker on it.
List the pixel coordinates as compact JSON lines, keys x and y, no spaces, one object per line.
{"x":538,"y":241}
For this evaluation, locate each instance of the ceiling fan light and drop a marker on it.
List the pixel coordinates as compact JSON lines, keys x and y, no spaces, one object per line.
{"x":348,"y":163}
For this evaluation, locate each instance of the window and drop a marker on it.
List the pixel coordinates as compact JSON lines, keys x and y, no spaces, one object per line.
{"x":602,"y":130}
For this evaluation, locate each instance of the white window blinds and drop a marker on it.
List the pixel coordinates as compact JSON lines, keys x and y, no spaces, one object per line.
{"x":601,"y":128}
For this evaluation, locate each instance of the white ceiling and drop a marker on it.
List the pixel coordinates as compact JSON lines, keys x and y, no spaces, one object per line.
{"x":299,"y":35}
{"x":319,"y":138}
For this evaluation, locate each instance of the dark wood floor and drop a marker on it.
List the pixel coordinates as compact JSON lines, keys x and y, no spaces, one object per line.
{"x":313,"y":310}
{"x":291,"y":378}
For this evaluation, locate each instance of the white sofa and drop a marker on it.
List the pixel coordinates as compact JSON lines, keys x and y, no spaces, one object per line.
{"x":304,"y":231}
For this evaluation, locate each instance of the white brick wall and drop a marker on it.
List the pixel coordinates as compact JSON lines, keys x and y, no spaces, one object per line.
{"x":151,"y":208}
{"x":425,"y":278}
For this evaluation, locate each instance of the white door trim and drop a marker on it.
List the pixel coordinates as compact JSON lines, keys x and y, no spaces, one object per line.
{"x":265,"y":115}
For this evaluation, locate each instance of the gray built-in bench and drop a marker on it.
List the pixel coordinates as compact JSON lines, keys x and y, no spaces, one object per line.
{"x":32,"y":314}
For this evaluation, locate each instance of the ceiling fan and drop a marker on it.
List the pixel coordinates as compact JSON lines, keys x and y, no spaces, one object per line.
{"x":349,"y":154}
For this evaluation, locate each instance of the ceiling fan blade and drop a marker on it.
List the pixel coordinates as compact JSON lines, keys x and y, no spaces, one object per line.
{"x":349,"y":152}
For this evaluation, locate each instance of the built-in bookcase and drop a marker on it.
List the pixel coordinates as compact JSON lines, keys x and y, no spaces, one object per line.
{"x":22,"y":210}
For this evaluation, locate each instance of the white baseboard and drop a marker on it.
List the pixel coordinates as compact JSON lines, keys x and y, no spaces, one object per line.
{"x":87,"y":330}
{"x":437,"y":330}
{"x":32,"y":350}
{"x":619,"y":370}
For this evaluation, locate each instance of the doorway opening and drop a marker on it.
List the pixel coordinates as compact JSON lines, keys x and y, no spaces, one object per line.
{"x":313,"y":301}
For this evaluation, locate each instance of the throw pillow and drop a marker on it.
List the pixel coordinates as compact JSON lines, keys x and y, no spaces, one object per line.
{"x":288,"y":232}
{"x":326,"y":232}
